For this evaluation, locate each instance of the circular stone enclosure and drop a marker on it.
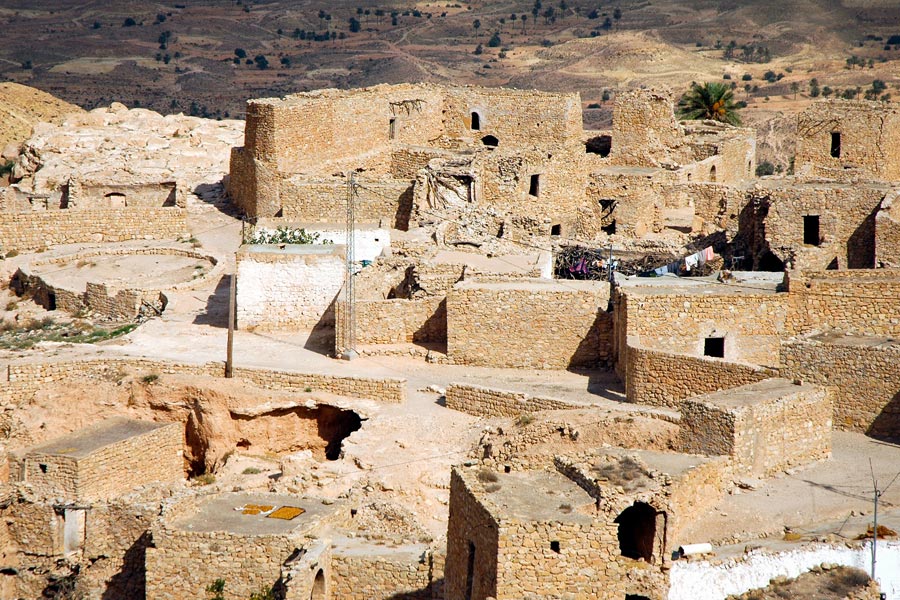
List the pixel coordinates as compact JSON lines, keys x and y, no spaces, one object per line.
{"x":118,"y":284}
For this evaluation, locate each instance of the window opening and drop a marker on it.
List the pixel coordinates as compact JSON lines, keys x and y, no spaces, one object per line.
{"x":470,"y":571}
{"x":534,"y":186}
{"x":811,"y":230}
{"x":836,"y":144}
{"x":714,"y":346}
{"x":554,"y":545}
{"x":556,"y":230}
{"x":600,"y":145}
{"x":712,"y":173}
{"x":392,"y":129}
{"x":476,"y":122}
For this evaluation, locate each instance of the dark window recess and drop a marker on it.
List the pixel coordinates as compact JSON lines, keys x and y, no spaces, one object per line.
{"x":609,"y":229}
{"x":836,"y":144}
{"x":602,"y":145}
{"x":712,"y":173}
{"x":42,"y":467}
{"x":470,"y":571}
{"x":392,"y":129}
{"x":534,"y":186}
{"x":635,"y":597}
{"x":554,"y":545}
{"x":556,"y":230}
{"x":811,"y":230}
{"x":476,"y":122}
{"x":714,"y":346}
{"x":490,"y":141}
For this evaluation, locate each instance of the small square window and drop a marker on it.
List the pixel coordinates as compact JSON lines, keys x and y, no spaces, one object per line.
{"x":714,"y":346}
{"x":554,"y":545}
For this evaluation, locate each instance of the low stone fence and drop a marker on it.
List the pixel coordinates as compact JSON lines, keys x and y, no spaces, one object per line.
{"x":664,"y":379}
{"x":27,"y":378}
{"x":487,"y":402}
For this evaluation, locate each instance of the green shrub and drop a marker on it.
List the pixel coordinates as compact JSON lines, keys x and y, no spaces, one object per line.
{"x":251,"y":471}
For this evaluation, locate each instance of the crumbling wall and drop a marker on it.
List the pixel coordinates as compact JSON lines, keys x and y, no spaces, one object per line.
{"x":645,"y":132}
{"x":764,"y":427}
{"x":384,"y":574}
{"x":529,"y":324}
{"x":867,"y":140}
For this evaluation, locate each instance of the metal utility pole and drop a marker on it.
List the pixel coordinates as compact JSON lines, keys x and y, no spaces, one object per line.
{"x":877,"y":494}
{"x":348,"y":320}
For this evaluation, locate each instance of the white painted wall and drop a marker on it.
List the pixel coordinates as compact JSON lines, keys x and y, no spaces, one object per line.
{"x":701,"y":580}
{"x":293,"y":291}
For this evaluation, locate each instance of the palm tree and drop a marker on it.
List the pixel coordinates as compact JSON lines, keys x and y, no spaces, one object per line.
{"x":709,"y":101}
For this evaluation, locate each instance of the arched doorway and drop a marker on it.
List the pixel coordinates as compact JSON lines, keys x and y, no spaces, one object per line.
{"x":476,"y":121}
{"x":637,"y":531}
{"x":318,"y":591}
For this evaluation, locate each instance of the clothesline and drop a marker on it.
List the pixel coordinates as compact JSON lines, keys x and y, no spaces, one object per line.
{"x":692,"y":261}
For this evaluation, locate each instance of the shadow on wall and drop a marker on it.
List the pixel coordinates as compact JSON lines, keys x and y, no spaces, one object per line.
{"x":861,"y":244}
{"x":129,"y":582}
{"x":886,"y":426}
{"x":427,"y":593}
{"x":214,"y":195}
{"x":321,"y":336}
{"x":595,"y":349}
{"x":216,"y":313}
{"x":434,"y":330}
{"x":404,"y":210}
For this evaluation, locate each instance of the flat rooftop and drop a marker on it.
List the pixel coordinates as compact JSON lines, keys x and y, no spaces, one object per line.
{"x":708,"y":286}
{"x":751,"y":394}
{"x":90,"y":439}
{"x":510,"y":263}
{"x":226,"y":512}
{"x":534,"y":496}
{"x":860,"y":341}
{"x":537,"y":285}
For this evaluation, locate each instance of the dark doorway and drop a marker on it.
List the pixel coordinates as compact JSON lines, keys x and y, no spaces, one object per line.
{"x":714,"y":347}
{"x":835,"y":144}
{"x":556,"y":230}
{"x":476,"y":122}
{"x":470,"y":571}
{"x":602,"y":145}
{"x":811,"y":230}
{"x":534,"y":185}
{"x":490,"y":141}
{"x":637,"y":530}
{"x":770,"y":262}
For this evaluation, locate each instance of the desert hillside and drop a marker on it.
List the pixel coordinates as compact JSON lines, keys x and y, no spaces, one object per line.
{"x":22,"y":106}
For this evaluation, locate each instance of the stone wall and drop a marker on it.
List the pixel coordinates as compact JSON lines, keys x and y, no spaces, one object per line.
{"x":181,"y":564}
{"x":665,"y":379}
{"x":487,"y":402}
{"x":765,"y":427}
{"x":861,"y":375}
{"x":645,"y":131}
{"x":25,"y":379}
{"x":846,"y":217}
{"x":864,"y":302}
{"x":26,"y":231}
{"x":887,"y":232}
{"x":287,"y":287}
{"x":868,"y":133}
{"x":316,"y":199}
{"x":383,"y":574}
{"x":396,"y":321}
{"x":678,"y":320}
{"x":529,"y":324}
{"x":109,"y":471}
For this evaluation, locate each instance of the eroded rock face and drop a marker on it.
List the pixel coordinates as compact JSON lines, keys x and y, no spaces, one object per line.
{"x":127,"y":146}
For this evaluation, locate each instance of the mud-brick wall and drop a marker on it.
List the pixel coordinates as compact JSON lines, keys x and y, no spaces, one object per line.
{"x":487,"y":402}
{"x":781,"y":426}
{"x":182,"y":564}
{"x":864,"y":381}
{"x":38,"y":229}
{"x":666,"y":379}
{"x":384,"y":574}
{"x":396,"y":321}
{"x":529,"y":324}
{"x":155,"y":456}
{"x":863,"y":302}
{"x":278,"y":289}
